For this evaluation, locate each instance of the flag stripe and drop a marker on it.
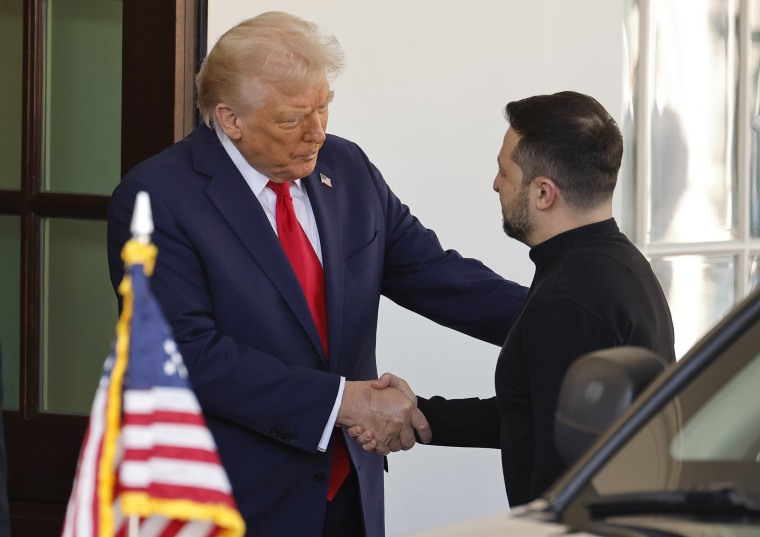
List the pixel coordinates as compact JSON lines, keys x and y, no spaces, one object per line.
{"x":154,"y":526}
{"x":86,"y":516}
{"x":159,"y":526}
{"x":187,"y":436}
{"x":183,"y":473}
{"x":166,"y":491}
{"x":163,"y":416}
{"x":196,"y":529}
{"x":197,"y":455}
{"x":164,"y":398}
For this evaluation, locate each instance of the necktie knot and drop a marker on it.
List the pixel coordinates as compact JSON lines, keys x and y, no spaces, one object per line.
{"x":281,"y":189}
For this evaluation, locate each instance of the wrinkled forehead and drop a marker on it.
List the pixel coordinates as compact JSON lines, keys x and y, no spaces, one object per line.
{"x":279,"y":92}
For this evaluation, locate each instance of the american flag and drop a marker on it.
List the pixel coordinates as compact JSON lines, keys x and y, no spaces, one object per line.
{"x":151,"y":468}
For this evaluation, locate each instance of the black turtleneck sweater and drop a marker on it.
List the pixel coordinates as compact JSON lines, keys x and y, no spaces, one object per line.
{"x":592,"y":289}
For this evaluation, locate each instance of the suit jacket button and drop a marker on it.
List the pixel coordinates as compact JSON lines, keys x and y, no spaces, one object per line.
{"x":274,"y":431}
{"x":319,"y":478}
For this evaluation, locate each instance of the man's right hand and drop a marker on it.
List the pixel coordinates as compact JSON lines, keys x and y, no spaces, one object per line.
{"x":388,"y":416}
{"x":367,"y":437}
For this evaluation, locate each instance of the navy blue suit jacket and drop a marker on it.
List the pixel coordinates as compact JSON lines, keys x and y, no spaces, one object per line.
{"x":244,"y":327}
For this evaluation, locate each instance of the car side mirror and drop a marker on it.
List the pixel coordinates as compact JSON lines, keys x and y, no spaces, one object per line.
{"x":596,"y":389}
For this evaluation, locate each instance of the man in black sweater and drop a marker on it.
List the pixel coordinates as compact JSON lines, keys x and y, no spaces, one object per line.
{"x":592,"y":288}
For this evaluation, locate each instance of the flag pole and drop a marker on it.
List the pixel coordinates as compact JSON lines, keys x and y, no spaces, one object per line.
{"x":141,"y":228}
{"x":134,"y":526}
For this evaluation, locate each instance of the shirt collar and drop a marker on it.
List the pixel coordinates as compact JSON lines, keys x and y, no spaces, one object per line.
{"x":573,"y":238}
{"x":256,"y":180}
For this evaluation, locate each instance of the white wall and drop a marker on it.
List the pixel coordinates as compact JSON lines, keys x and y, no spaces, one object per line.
{"x":423,"y":92}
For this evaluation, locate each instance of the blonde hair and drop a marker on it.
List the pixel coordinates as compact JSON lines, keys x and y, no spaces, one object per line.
{"x":272,"y":47}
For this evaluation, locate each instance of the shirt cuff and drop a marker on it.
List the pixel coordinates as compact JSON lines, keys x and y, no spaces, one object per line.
{"x":325,"y":440}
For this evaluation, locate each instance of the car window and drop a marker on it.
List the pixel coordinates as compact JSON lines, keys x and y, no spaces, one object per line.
{"x":727,"y":426}
{"x":708,"y":433}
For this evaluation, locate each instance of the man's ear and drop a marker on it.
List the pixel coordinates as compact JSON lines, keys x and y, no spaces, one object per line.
{"x":228,"y":121}
{"x":548,"y":193}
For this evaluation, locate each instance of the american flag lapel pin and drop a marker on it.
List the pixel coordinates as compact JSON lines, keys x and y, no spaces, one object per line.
{"x":325,"y":180}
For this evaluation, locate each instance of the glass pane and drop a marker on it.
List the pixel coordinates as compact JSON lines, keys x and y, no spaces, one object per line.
{"x":10,"y":286}
{"x":83,"y":96}
{"x":754,"y":105}
{"x":625,"y":193}
{"x":79,"y":314}
{"x":700,"y":291}
{"x":11,"y":65}
{"x":693,"y":142}
{"x":754,"y":271}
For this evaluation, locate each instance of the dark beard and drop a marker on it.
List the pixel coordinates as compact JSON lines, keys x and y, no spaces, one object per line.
{"x":516,"y":232}
{"x":518,"y":225}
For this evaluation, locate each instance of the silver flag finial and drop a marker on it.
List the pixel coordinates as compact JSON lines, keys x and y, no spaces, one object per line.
{"x":142,"y":218}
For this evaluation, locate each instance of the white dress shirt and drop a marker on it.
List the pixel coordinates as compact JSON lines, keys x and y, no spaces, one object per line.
{"x":305,"y":214}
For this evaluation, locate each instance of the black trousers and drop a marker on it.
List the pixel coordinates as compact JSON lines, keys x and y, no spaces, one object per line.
{"x":343,"y":517}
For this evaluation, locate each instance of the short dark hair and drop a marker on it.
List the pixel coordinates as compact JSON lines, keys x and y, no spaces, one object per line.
{"x":570,"y":138}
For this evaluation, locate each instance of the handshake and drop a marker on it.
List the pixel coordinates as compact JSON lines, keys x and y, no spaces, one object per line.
{"x":382,"y":415}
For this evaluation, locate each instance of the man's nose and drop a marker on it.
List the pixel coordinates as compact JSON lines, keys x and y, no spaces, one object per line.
{"x":315,"y":131}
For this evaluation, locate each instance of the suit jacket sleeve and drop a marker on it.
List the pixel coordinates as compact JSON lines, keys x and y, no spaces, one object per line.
{"x":456,"y":292}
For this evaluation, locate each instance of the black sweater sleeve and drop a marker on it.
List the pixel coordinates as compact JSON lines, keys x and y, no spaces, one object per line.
{"x":470,"y":422}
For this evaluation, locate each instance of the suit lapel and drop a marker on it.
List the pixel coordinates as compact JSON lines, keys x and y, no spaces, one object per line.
{"x":324,"y":202}
{"x":232,"y":196}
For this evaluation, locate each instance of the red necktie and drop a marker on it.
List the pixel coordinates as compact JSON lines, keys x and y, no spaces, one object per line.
{"x":310,"y":275}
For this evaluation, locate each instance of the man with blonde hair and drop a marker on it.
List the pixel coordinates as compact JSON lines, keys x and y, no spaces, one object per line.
{"x":275,"y":243}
